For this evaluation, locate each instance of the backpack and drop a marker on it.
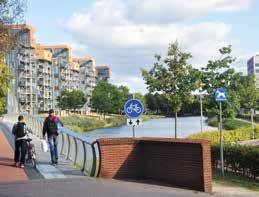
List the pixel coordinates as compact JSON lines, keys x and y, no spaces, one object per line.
{"x":20,"y":130}
{"x":52,"y":126}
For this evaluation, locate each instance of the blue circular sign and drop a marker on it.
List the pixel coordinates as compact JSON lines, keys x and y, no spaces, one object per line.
{"x":133,"y":108}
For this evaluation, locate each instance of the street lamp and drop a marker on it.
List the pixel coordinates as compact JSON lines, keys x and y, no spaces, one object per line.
{"x":201,"y":108}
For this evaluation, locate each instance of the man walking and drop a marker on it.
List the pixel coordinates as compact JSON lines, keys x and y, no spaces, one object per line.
{"x":50,"y":128}
{"x":20,"y":131}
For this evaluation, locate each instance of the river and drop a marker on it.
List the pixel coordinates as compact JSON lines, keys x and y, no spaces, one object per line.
{"x":163,"y":127}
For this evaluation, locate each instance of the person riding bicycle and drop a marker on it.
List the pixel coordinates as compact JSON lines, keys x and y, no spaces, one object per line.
{"x":20,"y":131}
{"x":50,"y":127}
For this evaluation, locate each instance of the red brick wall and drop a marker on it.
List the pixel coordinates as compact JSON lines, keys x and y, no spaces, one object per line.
{"x":178,"y":162}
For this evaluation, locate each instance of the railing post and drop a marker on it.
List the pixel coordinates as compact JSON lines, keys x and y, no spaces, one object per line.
{"x":76,"y":153}
{"x":68,"y":151}
{"x":94,"y":160}
{"x":83,"y":168}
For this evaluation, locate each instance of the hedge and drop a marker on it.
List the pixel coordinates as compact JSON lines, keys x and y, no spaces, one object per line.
{"x":237,"y":158}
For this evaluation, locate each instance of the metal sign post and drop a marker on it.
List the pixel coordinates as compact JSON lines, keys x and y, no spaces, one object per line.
{"x":221,"y":140}
{"x":133,"y":109}
{"x":221,"y":96}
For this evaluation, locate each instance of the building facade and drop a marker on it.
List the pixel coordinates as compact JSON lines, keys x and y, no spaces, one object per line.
{"x":253,"y":68}
{"x":103,"y":73}
{"x":41,"y":73}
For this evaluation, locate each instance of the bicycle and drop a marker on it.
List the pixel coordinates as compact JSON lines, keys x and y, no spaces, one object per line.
{"x":132,"y":108}
{"x":31,"y":153}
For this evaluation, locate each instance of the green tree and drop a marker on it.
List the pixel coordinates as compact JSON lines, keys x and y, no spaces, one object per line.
{"x":10,"y":11}
{"x":218,"y":73}
{"x":107,"y":98}
{"x":173,"y":77}
{"x":248,"y":93}
{"x":140,"y":97}
{"x":71,"y":100}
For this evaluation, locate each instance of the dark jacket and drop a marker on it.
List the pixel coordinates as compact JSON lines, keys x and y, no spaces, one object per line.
{"x":46,"y":125}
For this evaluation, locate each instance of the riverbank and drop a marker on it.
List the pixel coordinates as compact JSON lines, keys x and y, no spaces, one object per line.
{"x":81,"y":124}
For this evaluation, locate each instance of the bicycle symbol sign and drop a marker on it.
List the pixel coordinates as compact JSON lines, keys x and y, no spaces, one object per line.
{"x":133,"y":108}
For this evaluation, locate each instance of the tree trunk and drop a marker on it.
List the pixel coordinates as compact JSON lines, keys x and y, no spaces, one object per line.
{"x":175,"y":125}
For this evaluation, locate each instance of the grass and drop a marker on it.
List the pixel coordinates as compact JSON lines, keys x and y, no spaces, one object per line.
{"x":232,"y":179}
{"x":88,"y":123}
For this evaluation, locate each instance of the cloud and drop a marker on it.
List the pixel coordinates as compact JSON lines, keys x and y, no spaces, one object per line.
{"x":126,"y":36}
{"x":167,"y":11}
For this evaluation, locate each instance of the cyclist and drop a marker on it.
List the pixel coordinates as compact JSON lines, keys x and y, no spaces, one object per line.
{"x":20,"y":131}
{"x":50,"y":127}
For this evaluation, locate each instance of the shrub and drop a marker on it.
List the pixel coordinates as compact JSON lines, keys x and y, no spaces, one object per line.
{"x":237,"y":158}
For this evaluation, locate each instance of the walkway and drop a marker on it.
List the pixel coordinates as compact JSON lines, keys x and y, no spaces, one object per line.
{"x":45,"y":170}
{"x":90,"y":187}
{"x":8,"y":172}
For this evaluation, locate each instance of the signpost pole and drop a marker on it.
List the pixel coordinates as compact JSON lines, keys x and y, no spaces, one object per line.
{"x":201,"y":113}
{"x":221,"y":139}
{"x":252,"y":122}
{"x":133,"y":130}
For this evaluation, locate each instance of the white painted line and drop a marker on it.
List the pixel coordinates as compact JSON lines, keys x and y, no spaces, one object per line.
{"x":49,"y":171}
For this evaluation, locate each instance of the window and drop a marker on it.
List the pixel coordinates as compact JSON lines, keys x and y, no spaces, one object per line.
{"x":257,"y":65}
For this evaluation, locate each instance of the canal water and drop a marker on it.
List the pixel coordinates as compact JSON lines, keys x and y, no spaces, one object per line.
{"x":163,"y":127}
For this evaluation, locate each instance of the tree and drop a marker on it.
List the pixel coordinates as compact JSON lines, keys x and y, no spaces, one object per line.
{"x":5,"y":78}
{"x":248,"y":93}
{"x":172,"y":77}
{"x":71,"y":100}
{"x":107,"y":98}
{"x":216,"y":74}
{"x":10,"y":11}
{"x":140,"y":97}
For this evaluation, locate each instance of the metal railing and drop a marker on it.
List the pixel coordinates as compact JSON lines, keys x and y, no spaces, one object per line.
{"x":82,"y":151}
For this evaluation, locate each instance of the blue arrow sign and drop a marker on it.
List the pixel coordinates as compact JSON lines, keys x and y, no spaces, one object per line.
{"x":221,"y":94}
{"x":133,"y":108}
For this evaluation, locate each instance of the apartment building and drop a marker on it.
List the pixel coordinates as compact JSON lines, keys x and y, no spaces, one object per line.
{"x":103,"y":73}
{"x":44,"y":78}
{"x":21,"y":60}
{"x":253,"y":67}
{"x":86,"y":77}
{"x":43,"y":72}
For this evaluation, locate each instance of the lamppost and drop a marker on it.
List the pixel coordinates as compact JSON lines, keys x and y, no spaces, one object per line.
{"x":201,"y":108}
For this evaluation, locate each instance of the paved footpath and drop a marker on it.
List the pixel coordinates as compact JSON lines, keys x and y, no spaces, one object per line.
{"x":90,"y":187}
{"x":8,"y":172}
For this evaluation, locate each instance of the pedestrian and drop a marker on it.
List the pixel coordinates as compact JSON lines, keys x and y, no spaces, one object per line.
{"x":20,"y":131}
{"x":50,"y":127}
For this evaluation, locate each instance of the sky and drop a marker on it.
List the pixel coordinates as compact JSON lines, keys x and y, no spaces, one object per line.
{"x":126,"y":34}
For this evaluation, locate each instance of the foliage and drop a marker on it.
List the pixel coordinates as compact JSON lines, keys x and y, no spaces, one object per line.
{"x":71,"y":100}
{"x":173,"y":77}
{"x":81,"y":124}
{"x":216,"y":74}
{"x":141,"y":98}
{"x":108,"y":98}
{"x":238,"y":158}
{"x":248,"y":92}
{"x":5,"y":78}
{"x":10,"y":11}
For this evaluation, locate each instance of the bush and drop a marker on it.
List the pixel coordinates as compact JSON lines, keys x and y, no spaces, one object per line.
{"x":237,"y":158}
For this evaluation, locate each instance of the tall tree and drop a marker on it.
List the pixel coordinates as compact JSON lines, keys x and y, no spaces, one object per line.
{"x":107,"y":98}
{"x":71,"y":100}
{"x":218,"y":73}
{"x":11,"y":11}
{"x":173,"y":77}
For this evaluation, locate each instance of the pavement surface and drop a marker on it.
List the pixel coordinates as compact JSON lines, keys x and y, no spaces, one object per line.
{"x":8,"y":172}
{"x":90,"y":187}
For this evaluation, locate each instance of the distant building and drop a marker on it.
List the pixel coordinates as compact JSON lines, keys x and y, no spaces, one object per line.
{"x":253,"y":68}
{"x":41,"y":73}
{"x":102,"y":73}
